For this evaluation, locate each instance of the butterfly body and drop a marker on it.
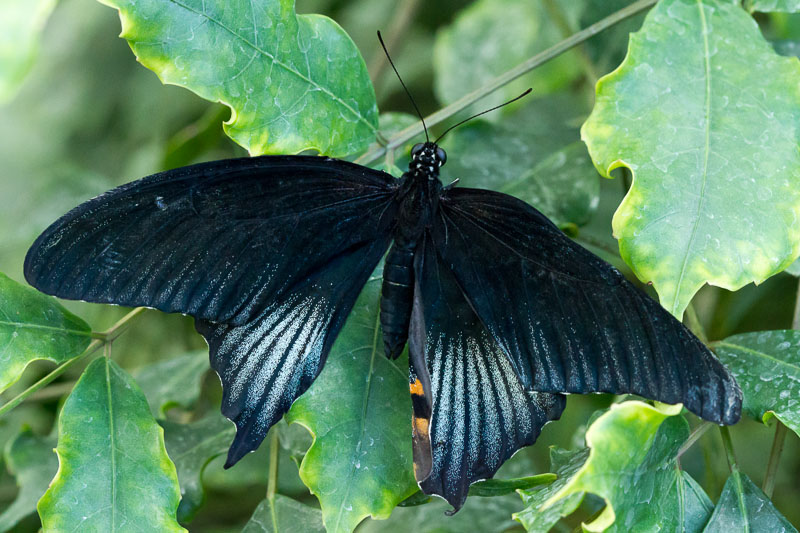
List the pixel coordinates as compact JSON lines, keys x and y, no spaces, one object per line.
{"x":501,"y":312}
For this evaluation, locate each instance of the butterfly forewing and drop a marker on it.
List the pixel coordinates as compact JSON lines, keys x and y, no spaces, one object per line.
{"x":219,"y":241}
{"x":568,"y":321}
{"x":480,"y":414}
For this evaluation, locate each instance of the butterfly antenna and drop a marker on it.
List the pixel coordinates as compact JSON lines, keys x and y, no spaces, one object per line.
{"x":481,"y":113}
{"x":404,"y":86}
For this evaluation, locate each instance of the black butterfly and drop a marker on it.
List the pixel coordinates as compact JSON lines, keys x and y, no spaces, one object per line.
{"x":503,"y":313}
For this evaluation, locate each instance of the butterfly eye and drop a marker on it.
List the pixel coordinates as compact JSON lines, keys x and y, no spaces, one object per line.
{"x":441,"y":155}
{"x":417,"y":149}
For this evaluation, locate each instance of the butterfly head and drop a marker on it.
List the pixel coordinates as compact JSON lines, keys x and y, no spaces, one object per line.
{"x":426,"y":159}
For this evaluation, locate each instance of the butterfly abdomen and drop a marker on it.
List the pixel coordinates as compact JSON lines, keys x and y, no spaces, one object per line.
{"x":397,"y":295}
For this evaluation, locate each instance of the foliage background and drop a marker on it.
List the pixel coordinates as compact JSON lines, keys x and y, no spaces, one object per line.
{"x":89,"y":117}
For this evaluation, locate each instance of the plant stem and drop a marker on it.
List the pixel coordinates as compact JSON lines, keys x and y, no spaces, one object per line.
{"x":272,"y":480}
{"x":560,"y":20}
{"x":774,"y":459}
{"x":728,"y":443}
{"x":523,"y":68}
{"x":401,"y":18}
{"x":698,"y":432}
{"x":104,"y":338}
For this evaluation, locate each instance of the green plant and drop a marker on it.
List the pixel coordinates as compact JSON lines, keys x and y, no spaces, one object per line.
{"x":698,"y":120}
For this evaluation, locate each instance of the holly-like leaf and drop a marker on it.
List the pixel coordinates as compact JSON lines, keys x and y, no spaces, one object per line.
{"x":632,"y":466}
{"x":714,"y":157}
{"x":191,"y":447}
{"x":766,"y":365}
{"x":359,"y":412}
{"x":768,"y":6}
{"x":172,"y":382}
{"x":535,"y":517}
{"x":293,"y":82}
{"x":490,"y":37}
{"x":34,"y":326}
{"x":21,"y":24}
{"x":31,"y":460}
{"x":114,"y":473}
{"x":744,"y":507}
{"x":284,"y":515}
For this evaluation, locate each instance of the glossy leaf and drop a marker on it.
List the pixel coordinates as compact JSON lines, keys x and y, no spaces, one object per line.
{"x":498,"y":487}
{"x":21,"y":25}
{"x":284,"y":515}
{"x":744,"y":507}
{"x":114,"y":473}
{"x":632,"y":466}
{"x":766,"y":365}
{"x":31,"y":460}
{"x":172,"y":382}
{"x":293,"y":82}
{"x":535,"y":517}
{"x":767,"y":6}
{"x":714,"y":157}
{"x":490,"y":37}
{"x":191,"y":447}
{"x":34,"y":326}
{"x":359,"y":411}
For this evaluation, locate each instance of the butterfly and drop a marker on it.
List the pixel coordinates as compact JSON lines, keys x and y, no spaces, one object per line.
{"x":502,"y":313}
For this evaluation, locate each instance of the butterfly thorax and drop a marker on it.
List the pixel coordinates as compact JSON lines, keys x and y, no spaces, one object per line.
{"x":419,"y":198}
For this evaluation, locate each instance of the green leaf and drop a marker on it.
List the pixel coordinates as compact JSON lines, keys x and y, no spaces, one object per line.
{"x":31,"y":460}
{"x":632,"y":466}
{"x":284,"y":515}
{"x":766,"y":365}
{"x":114,"y":473}
{"x":359,"y":412}
{"x":535,"y":517}
{"x":21,"y":23}
{"x":293,"y":82}
{"x":191,"y":447}
{"x":490,"y":37}
{"x":714,"y":156}
{"x":34,"y":326}
{"x":172,"y":382}
{"x":564,"y":186}
{"x":744,"y":507}
{"x":498,"y":487}
{"x":768,"y":6}
{"x":607,"y":49}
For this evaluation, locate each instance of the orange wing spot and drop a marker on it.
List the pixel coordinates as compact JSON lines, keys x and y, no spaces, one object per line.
{"x":416,"y":388}
{"x":421,"y":427}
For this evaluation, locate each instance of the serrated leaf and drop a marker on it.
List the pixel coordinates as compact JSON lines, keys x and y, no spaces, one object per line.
{"x":284,"y":515}
{"x":769,"y":6}
{"x":191,"y":447}
{"x":114,"y":473}
{"x":172,"y":382}
{"x":744,"y":507}
{"x":535,"y":517}
{"x":632,"y":466}
{"x":31,"y":460}
{"x":766,"y":365}
{"x":488,"y":38}
{"x":293,"y":82}
{"x":21,"y":23}
{"x":714,"y":157}
{"x":359,"y":412}
{"x":34,"y":326}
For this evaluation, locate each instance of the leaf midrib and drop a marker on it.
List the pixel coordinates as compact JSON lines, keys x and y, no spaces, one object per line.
{"x":113,"y":450}
{"x":276,"y":61}
{"x":701,"y":199}
{"x":23,"y":325}
{"x":757,"y":353}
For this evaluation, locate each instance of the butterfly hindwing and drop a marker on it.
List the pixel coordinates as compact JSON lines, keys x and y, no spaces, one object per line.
{"x":219,"y":241}
{"x":567,"y":320}
{"x":480,"y":414}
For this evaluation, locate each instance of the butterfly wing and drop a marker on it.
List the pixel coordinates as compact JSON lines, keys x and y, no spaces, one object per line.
{"x":219,"y":241}
{"x":567,"y":320}
{"x":471,"y":412}
{"x":268,"y":254}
